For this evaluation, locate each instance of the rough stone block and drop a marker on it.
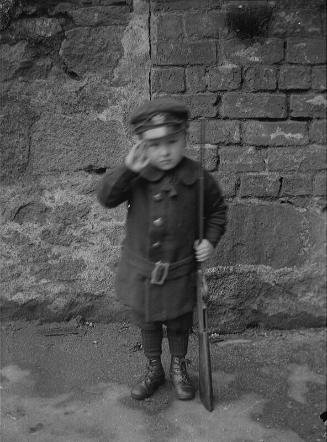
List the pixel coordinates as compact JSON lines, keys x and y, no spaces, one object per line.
{"x":284,"y":133}
{"x":35,"y":28}
{"x":296,"y":22}
{"x":100,"y":15}
{"x":13,"y":58}
{"x":222,"y":78}
{"x":61,"y":143}
{"x":259,"y":186}
{"x":169,"y":27}
{"x":317,"y":131}
{"x":308,"y":105}
{"x":259,"y":78}
{"x":200,"y":105}
{"x":260,"y":105}
{"x":227,"y":182}
{"x":297,"y":185}
{"x":294,"y":77}
{"x":169,"y":80}
{"x":319,"y":78}
{"x":320,"y":184}
{"x":269,"y":51}
{"x":301,"y":159}
{"x":182,"y":53}
{"x":306,"y":51}
{"x":274,"y":235}
{"x":196,"y":79}
{"x":210,"y":156}
{"x":90,"y":50}
{"x":216,"y":131}
{"x":178,"y":5}
{"x":240,"y":159}
{"x":203,"y":25}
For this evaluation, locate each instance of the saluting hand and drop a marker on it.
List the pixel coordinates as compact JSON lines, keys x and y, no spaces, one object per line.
{"x":203,"y":250}
{"x":137,"y":159}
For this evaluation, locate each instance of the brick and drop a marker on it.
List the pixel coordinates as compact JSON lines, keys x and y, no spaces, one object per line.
{"x":100,"y":15}
{"x":317,"y":132}
{"x":179,"y":5}
{"x":216,"y":131}
{"x":240,"y":159}
{"x":203,"y":25}
{"x":320,"y":184}
{"x":306,"y":51}
{"x":210,"y":156}
{"x":294,"y":77}
{"x":259,"y":78}
{"x":269,"y":51}
{"x":260,"y":186}
{"x":297,"y":185}
{"x":227,"y":182}
{"x":168,"y":26}
{"x":296,"y":22}
{"x":308,"y":105}
{"x":246,"y":105}
{"x":181,"y":53}
{"x":288,"y":159}
{"x":222,"y":78}
{"x":200,"y":105}
{"x":319,"y":78}
{"x":283,"y":133}
{"x":167,"y":80}
{"x":196,"y":79}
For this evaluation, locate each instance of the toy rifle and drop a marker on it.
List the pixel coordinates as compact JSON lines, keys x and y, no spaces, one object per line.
{"x":205,"y":376}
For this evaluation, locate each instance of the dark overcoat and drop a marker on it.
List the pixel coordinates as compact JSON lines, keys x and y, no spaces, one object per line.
{"x":162,"y":225}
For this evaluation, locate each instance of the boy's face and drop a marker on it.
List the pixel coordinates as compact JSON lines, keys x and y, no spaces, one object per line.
{"x":165,"y":152}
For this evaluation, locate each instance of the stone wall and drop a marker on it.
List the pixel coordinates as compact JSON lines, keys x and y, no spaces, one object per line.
{"x":71,"y":73}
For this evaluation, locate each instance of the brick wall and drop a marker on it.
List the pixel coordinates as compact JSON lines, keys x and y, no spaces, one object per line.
{"x":264,"y":101}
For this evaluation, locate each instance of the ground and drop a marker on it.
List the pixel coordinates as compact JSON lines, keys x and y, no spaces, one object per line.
{"x":70,"y":382}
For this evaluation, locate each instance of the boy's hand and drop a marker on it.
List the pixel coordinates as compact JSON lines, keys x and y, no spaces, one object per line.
{"x":203,"y":250}
{"x":136,"y":159}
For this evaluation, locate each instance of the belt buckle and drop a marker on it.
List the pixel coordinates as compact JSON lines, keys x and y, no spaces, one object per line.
{"x":159,"y":273}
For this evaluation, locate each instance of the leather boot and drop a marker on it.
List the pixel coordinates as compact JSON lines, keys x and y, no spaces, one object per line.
{"x":153,"y":378}
{"x":180,"y":379}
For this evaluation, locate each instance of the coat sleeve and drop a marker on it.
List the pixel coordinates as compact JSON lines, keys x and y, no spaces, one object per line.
{"x":115,"y":187}
{"x":215,"y":210}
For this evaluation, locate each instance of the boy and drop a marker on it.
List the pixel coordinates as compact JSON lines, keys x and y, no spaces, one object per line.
{"x":156,"y":276}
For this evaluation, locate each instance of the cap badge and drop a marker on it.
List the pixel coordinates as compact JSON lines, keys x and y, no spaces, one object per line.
{"x":158,"y":119}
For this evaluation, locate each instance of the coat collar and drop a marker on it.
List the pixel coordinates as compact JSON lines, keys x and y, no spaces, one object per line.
{"x":187,"y":171}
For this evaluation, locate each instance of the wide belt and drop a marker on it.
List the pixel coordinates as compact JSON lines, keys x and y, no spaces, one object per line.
{"x":159,"y":272}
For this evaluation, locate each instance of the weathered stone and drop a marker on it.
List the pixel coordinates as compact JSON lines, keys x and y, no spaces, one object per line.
{"x":100,"y":15}
{"x":294,"y":77}
{"x":61,"y":143}
{"x":210,"y":156}
{"x":204,"y":25}
{"x":306,"y":51}
{"x":169,"y":80}
{"x":35,"y":28}
{"x":320,"y":184}
{"x":240,"y":159}
{"x":13,"y":58}
{"x":216,"y":131}
{"x":297,"y":185}
{"x":275,"y":134}
{"x":168,"y":27}
{"x":308,"y":105}
{"x":259,"y":78}
{"x":269,"y":51}
{"x":182,"y":53}
{"x":319,"y":78}
{"x":297,"y":22}
{"x":90,"y":50}
{"x":15,"y":133}
{"x":259,"y":186}
{"x":195,"y":79}
{"x":274,"y":235}
{"x":300,"y":159}
{"x":224,"y":78}
{"x":317,"y":132}
{"x":260,"y":105}
{"x":200,"y":105}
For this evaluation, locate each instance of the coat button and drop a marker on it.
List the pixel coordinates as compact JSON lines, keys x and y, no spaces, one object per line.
{"x":156,"y":244}
{"x":157,"y":196}
{"x":158,"y":222}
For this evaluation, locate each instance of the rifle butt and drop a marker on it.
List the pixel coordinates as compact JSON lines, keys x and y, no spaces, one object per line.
{"x":205,"y":374}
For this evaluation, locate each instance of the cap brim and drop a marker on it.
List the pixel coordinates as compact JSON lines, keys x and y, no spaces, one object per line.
{"x":159,"y":132}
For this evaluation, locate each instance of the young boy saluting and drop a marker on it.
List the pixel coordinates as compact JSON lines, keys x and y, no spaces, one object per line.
{"x":157,"y":271}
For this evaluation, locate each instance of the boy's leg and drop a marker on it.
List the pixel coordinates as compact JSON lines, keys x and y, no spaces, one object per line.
{"x":154,"y":376}
{"x":178,"y":335}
